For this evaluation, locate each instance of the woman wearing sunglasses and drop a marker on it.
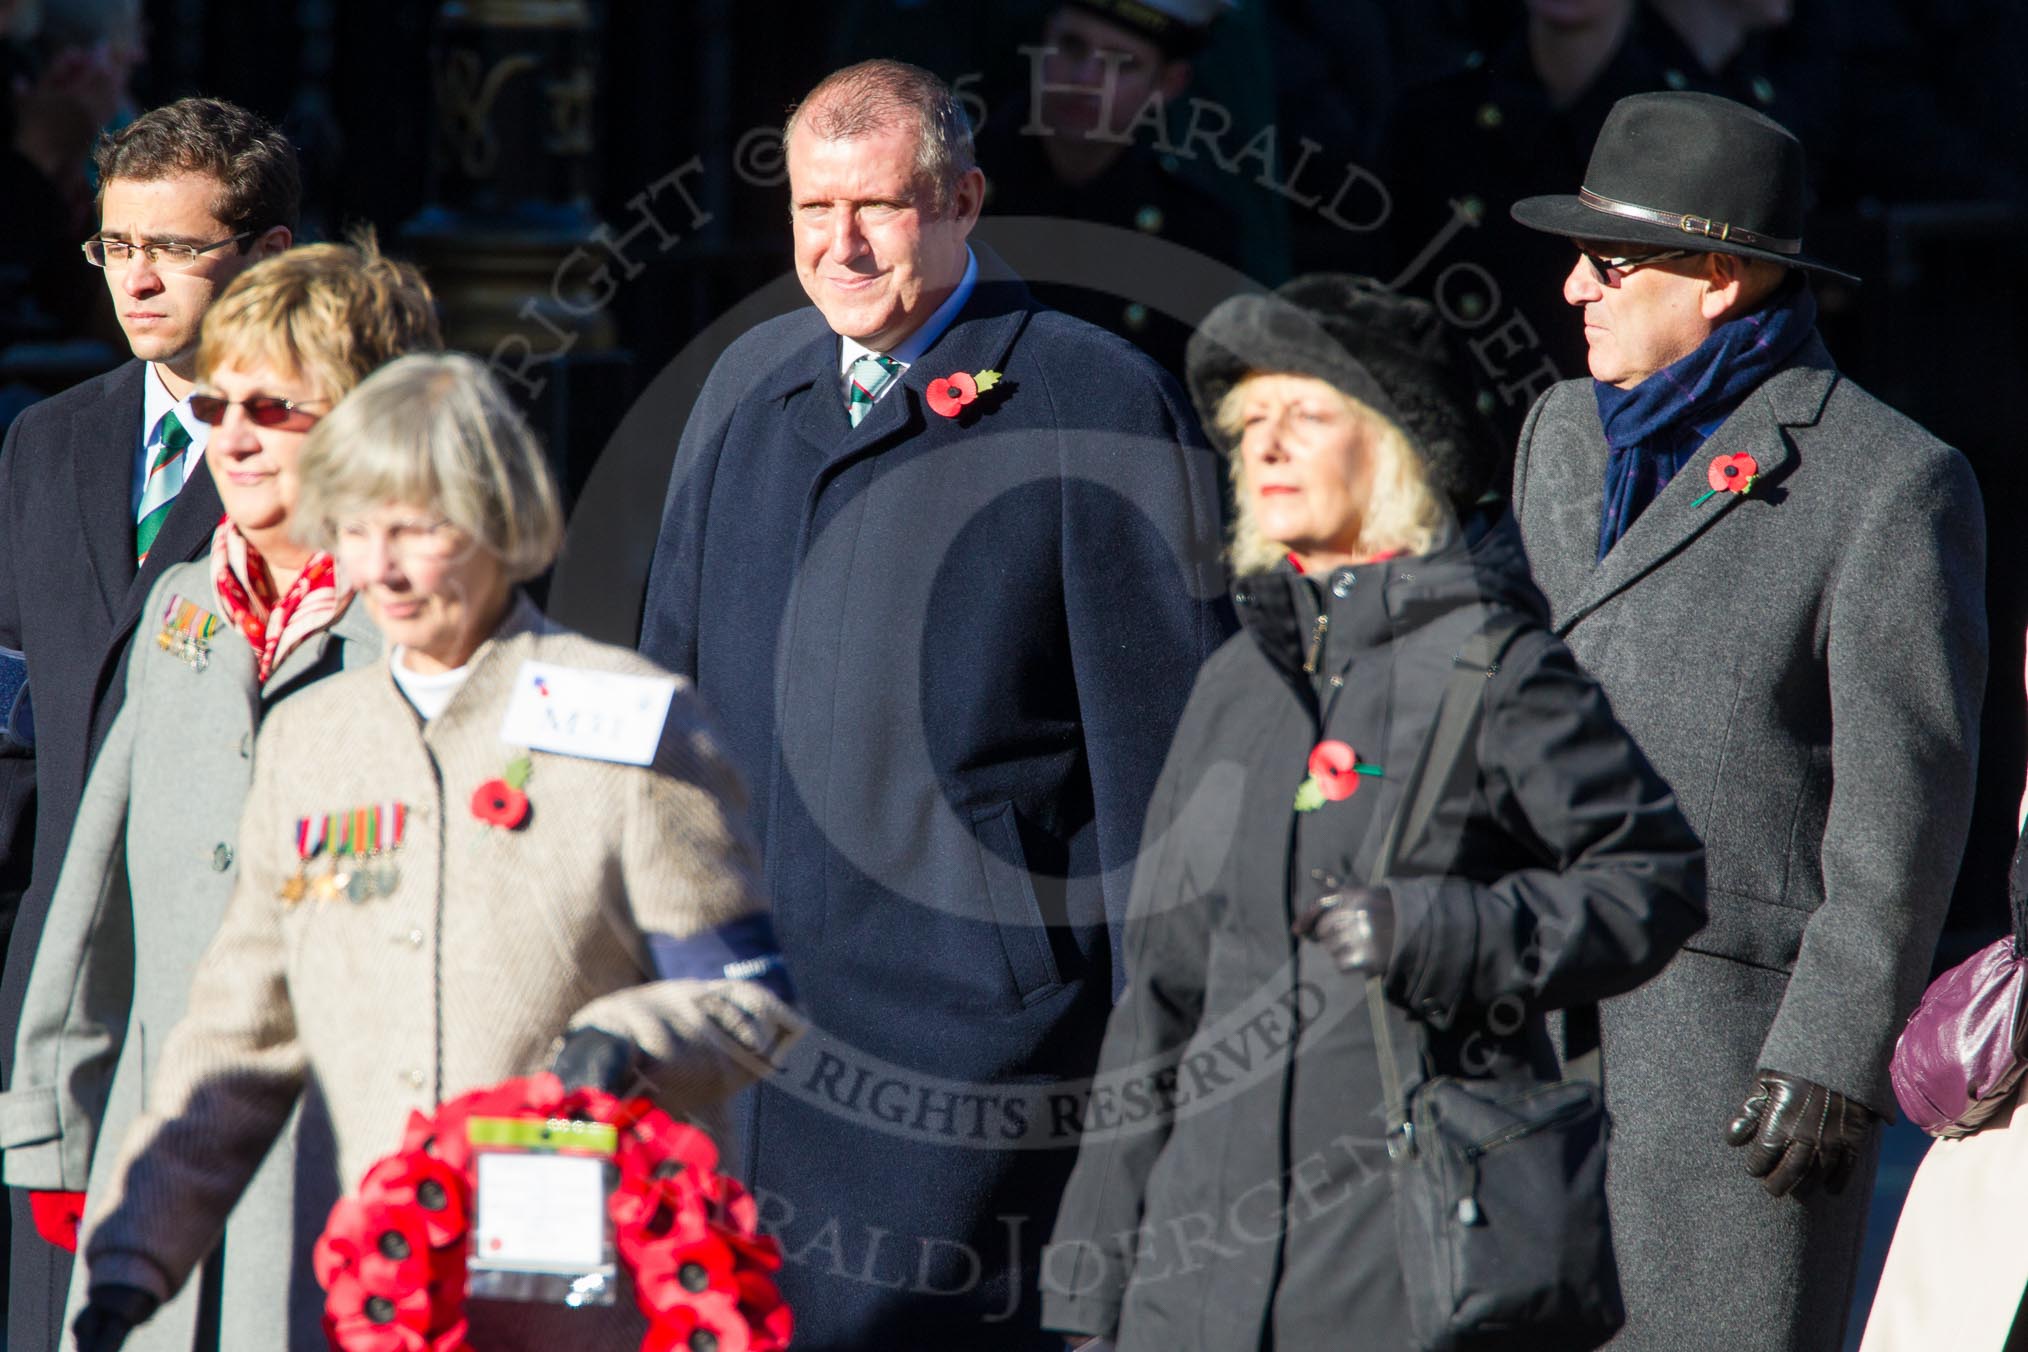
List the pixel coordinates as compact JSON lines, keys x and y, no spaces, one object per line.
{"x":151,"y":863}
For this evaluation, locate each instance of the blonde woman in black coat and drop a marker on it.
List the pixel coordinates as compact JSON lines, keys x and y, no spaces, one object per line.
{"x":1233,"y":1190}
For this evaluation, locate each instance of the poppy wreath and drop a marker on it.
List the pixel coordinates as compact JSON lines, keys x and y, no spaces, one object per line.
{"x":392,"y":1260}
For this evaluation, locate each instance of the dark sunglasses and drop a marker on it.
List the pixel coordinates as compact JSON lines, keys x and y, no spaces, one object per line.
{"x":262,"y":410}
{"x":1603,"y":266}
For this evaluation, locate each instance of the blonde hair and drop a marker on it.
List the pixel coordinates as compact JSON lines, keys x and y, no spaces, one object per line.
{"x":330,"y":313}
{"x":1403,"y":512}
{"x":434,"y":431}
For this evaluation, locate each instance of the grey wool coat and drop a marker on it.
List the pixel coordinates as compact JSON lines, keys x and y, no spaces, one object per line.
{"x":1804,"y":664}
{"x":491,"y":945}
{"x":145,"y":879}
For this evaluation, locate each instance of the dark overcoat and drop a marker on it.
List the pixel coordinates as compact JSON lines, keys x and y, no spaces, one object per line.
{"x":69,"y":597}
{"x":1804,"y":663}
{"x":947,"y":654}
{"x":1234,"y":1191}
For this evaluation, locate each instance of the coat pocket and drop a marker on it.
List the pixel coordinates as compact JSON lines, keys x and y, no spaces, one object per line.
{"x":1010,"y":891}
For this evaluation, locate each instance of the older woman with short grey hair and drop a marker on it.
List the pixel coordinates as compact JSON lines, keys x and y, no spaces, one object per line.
{"x":530,"y":899}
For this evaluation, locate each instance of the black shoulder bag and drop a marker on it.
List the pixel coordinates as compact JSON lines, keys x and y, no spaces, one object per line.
{"x":1500,"y":1205}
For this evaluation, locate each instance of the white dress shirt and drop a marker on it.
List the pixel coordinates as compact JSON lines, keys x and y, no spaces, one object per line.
{"x":156,"y":401}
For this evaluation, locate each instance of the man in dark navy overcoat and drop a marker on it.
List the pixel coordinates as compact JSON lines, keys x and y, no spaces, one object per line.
{"x":943,"y":563}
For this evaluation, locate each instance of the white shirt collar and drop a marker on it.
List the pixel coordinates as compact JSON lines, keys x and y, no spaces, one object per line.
{"x":910,"y":349}
{"x":156,"y":401}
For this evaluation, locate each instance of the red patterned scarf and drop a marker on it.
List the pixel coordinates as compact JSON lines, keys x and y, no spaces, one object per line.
{"x":246,"y":591}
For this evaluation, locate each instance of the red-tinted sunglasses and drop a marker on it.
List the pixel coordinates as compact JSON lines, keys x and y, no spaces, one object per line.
{"x":263,"y":410}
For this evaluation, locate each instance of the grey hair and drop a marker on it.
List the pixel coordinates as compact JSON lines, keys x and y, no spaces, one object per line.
{"x":874,"y":96}
{"x":434,"y":430}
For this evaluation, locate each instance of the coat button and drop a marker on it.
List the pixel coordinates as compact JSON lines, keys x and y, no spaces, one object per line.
{"x":414,"y":1078}
{"x":415,"y":938}
{"x":221,"y":857}
{"x":1342,"y":583}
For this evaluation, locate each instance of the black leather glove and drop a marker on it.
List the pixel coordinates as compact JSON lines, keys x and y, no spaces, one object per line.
{"x":110,"y":1314}
{"x":1356,"y":927}
{"x":592,"y":1058}
{"x":1796,"y":1132}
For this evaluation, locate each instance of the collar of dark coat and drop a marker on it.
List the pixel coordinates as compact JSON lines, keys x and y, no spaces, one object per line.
{"x":807,"y":382}
{"x":1479,"y":562}
{"x":1762,"y":427}
{"x":101,"y":454}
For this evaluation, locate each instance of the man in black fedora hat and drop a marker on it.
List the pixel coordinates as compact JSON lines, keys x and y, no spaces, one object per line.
{"x":1780,"y":583}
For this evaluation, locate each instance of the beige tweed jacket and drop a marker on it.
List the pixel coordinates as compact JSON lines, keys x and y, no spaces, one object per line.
{"x":491,"y":944}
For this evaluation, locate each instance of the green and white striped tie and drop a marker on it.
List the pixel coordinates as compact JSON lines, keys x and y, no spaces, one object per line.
{"x":165,"y":478}
{"x":870,"y":376}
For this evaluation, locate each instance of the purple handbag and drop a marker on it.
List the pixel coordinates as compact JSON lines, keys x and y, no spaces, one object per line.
{"x":1959,"y":1060}
{"x":1965,"y":1049}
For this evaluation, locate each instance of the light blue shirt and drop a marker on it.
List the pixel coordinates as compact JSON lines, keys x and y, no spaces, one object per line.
{"x":910,"y":349}
{"x":156,"y":402}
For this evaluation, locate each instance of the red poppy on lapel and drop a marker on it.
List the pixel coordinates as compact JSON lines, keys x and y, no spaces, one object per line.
{"x":948,"y":396}
{"x":501,"y":802}
{"x":1730,"y":474}
{"x":1335,"y":769}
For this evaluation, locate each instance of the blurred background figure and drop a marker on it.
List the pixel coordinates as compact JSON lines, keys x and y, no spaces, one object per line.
{"x":66,"y":68}
{"x":1091,"y":141}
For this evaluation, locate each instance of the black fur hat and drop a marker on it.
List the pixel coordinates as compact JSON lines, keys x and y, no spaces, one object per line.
{"x":1391,"y":352}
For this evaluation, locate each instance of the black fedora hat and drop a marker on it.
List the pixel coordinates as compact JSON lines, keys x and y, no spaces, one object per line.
{"x":1688,"y":171}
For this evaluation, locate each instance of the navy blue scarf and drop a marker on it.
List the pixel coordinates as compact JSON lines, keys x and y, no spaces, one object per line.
{"x":1652,"y":430}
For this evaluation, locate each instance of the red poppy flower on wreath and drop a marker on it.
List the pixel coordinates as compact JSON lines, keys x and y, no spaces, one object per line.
{"x":670,"y":1274}
{"x":766,"y":1316}
{"x":1730,"y":474}
{"x":359,"y":1321}
{"x":384,"y":1248}
{"x":649,"y":1212}
{"x":501,"y":802}
{"x":431,"y":1188}
{"x":948,"y":396}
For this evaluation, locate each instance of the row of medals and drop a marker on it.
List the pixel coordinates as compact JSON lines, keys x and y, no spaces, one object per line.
{"x":187,"y":648}
{"x":354,"y":877}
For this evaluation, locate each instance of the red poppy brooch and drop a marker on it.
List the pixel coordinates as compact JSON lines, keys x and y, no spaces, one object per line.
{"x":502,"y":802}
{"x":949,"y":395}
{"x":1731,"y":474}
{"x":1335,"y":770}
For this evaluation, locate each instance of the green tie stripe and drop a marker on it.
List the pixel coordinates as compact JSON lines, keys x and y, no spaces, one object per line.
{"x":159,"y":493}
{"x":870,"y":376}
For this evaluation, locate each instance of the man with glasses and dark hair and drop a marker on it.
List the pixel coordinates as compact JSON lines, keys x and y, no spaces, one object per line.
{"x":101,"y":488}
{"x":1780,"y":582}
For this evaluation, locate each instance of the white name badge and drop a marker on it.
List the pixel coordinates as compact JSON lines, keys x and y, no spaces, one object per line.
{"x":600,"y":715}
{"x":543,"y":1213}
